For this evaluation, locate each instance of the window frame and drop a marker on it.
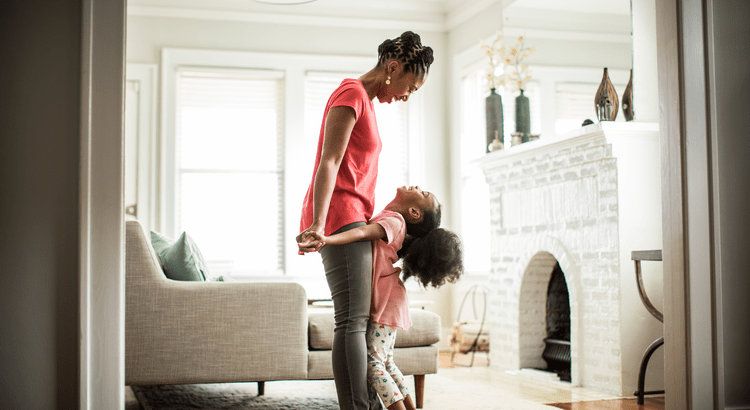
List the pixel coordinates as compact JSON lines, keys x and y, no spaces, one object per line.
{"x":197,"y":90}
{"x":296,"y":173}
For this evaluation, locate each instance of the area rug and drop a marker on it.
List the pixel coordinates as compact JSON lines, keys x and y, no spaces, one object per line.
{"x":236,"y":396}
{"x":450,"y":389}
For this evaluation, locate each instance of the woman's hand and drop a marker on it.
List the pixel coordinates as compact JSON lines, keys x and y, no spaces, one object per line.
{"x":311,"y":239}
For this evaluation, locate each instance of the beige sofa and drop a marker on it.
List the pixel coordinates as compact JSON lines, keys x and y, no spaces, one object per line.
{"x":219,"y":332}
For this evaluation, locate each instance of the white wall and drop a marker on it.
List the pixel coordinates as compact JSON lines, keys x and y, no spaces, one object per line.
{"x":645,"y":75}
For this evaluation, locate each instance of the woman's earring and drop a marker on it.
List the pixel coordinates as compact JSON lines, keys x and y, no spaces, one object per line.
{"x":388,"y":81}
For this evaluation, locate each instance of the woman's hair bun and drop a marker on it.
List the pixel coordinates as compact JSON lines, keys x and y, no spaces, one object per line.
{"x":408,"y":49}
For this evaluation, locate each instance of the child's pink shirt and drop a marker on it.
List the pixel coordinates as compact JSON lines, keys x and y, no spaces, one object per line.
{"x":390,"y":304}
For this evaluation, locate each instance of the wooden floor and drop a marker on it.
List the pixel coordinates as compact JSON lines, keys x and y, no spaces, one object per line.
{"x":650,"y":403}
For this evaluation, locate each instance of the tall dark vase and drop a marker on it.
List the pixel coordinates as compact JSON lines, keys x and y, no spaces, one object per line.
{"x":523,"y":116}
{"x":627,"y":100}
{"x":606,"y":101}
{"x":493,"y":106}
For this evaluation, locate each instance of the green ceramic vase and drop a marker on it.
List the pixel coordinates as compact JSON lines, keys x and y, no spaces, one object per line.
{"x":493,"y":106}
{"x":523,"y":116}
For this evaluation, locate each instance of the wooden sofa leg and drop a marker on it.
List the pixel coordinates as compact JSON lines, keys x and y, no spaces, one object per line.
{"x":419,"y":389}
{"x":261,"y":388}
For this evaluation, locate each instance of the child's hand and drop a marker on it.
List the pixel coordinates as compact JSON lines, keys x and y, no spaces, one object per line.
{"x":311,"y":242}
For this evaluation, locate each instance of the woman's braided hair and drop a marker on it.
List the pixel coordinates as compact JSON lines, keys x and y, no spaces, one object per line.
{"x":408,"y":50}
{"x":432,"y":255}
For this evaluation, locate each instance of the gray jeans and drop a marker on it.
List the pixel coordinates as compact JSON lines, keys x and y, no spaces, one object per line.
{"x":349,"y":275}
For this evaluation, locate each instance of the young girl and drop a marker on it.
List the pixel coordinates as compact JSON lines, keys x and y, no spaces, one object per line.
{"x":406,"y":229}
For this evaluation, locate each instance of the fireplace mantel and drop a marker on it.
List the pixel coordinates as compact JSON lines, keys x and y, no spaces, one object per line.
{"x":574,"y":138}
{"x":585,"y":200}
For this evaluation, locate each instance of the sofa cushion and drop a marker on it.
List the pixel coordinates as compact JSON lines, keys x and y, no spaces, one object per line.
{"x":410,"y":360}
{"x":181,"y":259}
{"x":425,"y":329}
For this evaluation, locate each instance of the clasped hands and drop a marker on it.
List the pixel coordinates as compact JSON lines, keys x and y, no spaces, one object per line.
{"x":310,"y":241}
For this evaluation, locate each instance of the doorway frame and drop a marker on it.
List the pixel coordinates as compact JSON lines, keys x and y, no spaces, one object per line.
{"x":101,"y":212}
{"x":101,"y":215}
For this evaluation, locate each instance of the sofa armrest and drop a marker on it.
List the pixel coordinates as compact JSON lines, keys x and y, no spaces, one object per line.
{"x":202,"y":332}
{"x":209,"y":332}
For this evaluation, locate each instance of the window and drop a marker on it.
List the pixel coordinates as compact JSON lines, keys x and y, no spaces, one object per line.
{"x":475,"y":197}
{"x":574,"y":102}
{"x":475,"y":200}
{"x":230,"y":167}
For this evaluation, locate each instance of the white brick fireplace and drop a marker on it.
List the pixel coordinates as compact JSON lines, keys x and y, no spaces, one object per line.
{"x":584,"y":200}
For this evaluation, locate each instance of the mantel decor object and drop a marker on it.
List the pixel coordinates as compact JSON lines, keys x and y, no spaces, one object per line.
{"x":495,"y":145}
{"x":516,"y":139}
{"x":606,"y":101}
{"x":506,"y":68}
{"x":523,"y":116}
{"x":627,"y":100}
{"x":493,"y":106}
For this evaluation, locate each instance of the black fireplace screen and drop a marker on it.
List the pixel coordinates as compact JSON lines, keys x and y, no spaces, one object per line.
{"x":557,"y":344}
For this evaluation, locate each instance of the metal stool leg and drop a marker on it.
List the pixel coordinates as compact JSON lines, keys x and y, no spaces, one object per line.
{"x":475,"y":346}
{"x":637,"y":257}
{"x":640,"y":393}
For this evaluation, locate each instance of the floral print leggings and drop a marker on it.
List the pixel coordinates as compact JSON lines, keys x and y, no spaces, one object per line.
{"x":382,"y":372}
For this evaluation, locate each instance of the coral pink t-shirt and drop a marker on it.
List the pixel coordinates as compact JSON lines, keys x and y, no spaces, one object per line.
{"x":390,"y":303}
{"x":353,"y":198}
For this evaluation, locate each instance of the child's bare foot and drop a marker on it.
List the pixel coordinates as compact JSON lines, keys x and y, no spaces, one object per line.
{"x":408,"y":403}
{"x":399,"y":405}
{"x":405,"y":404}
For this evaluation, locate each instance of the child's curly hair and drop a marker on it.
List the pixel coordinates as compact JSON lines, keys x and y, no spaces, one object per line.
{"x":434,"y":256}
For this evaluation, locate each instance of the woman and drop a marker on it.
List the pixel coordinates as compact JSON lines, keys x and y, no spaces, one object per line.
{"x":341,"y":197}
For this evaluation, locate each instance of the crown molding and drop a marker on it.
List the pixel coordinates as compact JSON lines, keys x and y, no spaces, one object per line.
{"x":566,"y":35}
{"x":278,"y":18}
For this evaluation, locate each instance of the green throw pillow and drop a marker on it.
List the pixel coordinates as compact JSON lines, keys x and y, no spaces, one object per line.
{"x":181,"y":259}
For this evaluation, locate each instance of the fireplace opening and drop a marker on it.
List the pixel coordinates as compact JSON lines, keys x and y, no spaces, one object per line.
{"x":557,"y":343}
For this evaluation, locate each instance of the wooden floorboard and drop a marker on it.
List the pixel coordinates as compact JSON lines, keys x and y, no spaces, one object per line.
{"x":650,"y":403}
{"x":482,"y":360}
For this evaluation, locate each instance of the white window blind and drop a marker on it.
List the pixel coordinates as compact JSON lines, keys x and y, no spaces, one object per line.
{"x":574,"y":103}
{"x":230,"y":167}
{"x":393,"y":125}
